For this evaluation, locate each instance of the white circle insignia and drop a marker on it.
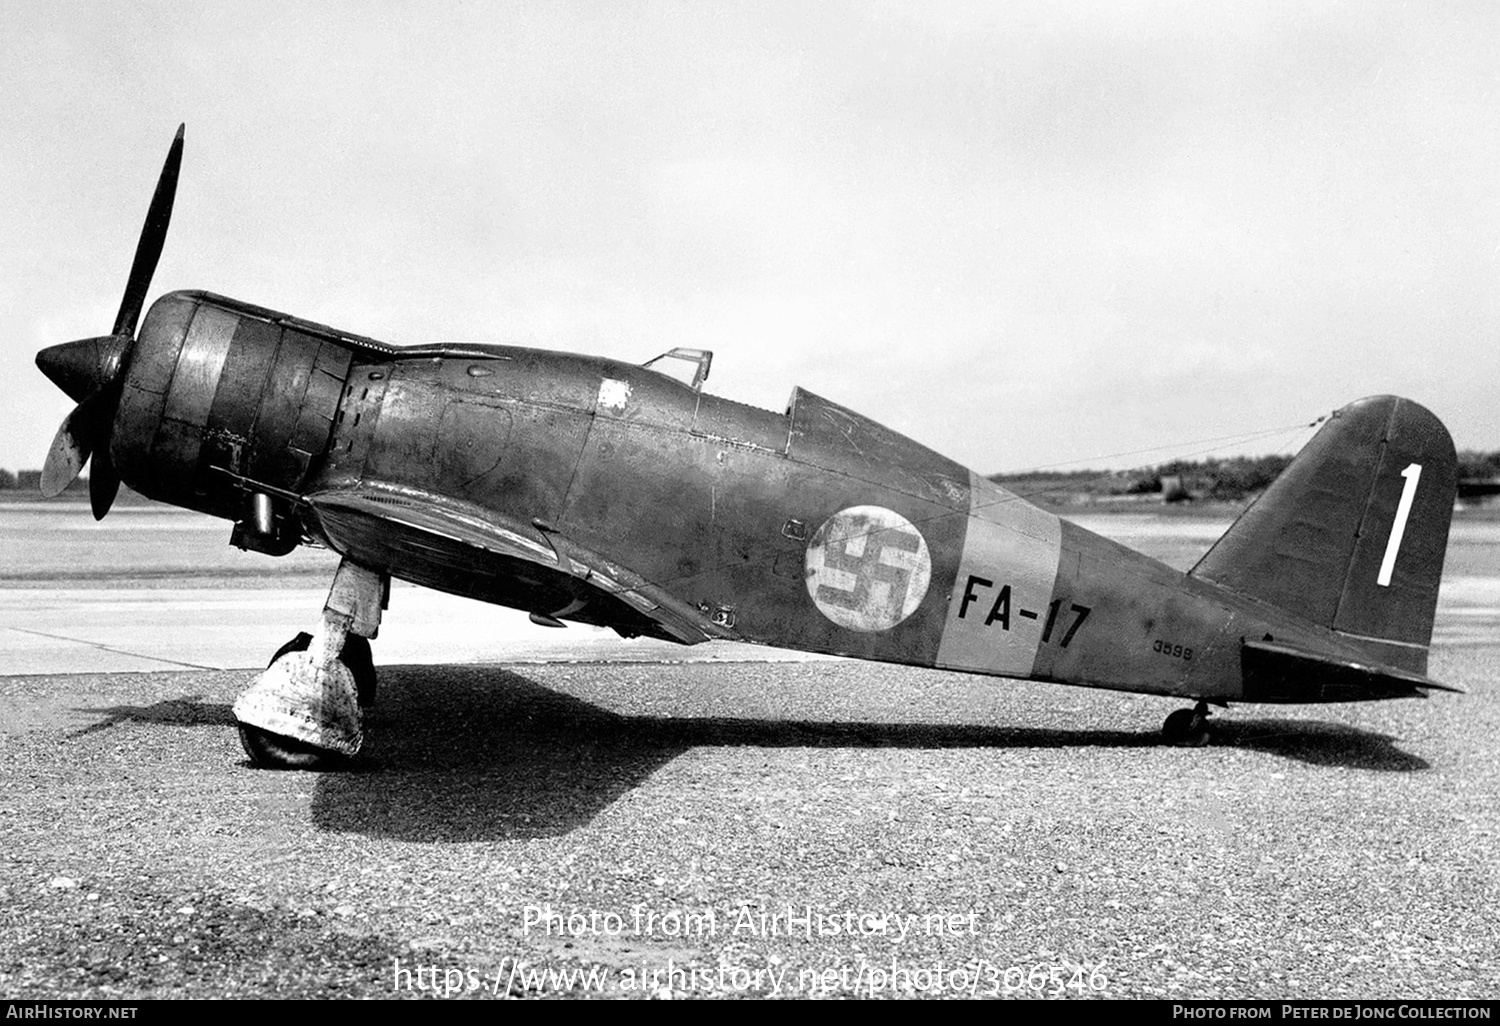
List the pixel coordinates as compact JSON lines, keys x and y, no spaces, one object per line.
{"x":868,"y":568}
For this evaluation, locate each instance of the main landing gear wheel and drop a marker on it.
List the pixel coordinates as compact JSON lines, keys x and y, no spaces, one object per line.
{"x":268,"y":750}
{"x":303,"y":710}
{"x":275,"y":751}
{"x":1187,"y":728}
{"x":356,"y":655}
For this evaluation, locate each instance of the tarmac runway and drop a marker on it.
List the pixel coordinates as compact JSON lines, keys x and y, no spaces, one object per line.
{"x":153,"y":588}
{"x":576,"y":825}
{"x":67,"y":630}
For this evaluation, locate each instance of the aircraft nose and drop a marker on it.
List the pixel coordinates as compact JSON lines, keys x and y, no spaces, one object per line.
{"x":83,"y":367}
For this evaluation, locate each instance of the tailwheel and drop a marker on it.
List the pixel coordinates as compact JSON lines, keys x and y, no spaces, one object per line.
{"x":355,"y":654}
{"x":1187,"y":728}
{"x":275,"y":751}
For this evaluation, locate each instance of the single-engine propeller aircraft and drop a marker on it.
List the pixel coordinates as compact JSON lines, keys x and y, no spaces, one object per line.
{"x":586,"y":489}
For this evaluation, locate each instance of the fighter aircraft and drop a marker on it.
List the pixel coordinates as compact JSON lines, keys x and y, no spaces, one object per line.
{"x":586,"y":489}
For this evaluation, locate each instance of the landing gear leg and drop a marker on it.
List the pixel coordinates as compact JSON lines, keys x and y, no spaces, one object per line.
{"x":1187,"y":728}
{"x":303,"y":711}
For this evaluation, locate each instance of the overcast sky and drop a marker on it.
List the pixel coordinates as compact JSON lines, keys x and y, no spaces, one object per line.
{"x":1025,"y":234}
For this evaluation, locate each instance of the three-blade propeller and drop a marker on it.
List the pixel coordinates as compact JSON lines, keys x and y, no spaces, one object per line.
{"x":92,"y":370}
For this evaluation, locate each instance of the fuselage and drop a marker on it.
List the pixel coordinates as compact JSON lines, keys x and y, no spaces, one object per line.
{"x":814,"y":528}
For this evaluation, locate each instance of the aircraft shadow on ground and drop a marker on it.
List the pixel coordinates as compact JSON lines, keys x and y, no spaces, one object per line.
{"x":1318,"y":743}
{"x":477,"y":753}
{"x":190,"y":711}
{"x":469,"y":754}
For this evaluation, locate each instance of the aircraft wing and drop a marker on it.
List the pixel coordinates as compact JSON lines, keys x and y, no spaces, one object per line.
{"x":464,"y":549}
{"x":1277,"y":672}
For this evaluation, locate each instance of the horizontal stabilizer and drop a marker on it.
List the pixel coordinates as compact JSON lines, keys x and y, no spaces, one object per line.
{"x":1276,"y":672}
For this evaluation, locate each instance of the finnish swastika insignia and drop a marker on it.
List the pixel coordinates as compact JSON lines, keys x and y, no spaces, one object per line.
{"x":868,"y":568}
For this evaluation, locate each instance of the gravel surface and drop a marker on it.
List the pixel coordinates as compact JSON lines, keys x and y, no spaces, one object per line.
{"x":1312,"y":852}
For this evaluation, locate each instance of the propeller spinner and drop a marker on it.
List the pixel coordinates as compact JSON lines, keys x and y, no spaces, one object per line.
{"x":92,"y":370}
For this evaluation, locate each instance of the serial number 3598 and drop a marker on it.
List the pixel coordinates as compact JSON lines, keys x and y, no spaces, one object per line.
{"x":1166,"y":648}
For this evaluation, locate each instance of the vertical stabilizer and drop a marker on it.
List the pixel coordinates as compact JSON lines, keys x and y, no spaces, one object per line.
{"x":1353,"y":533}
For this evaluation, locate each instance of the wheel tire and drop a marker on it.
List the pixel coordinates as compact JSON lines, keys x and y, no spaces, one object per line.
{"x":356,"y":655}
{"x":277,"y":752}
{"x":300,"y":643}
{"x":1185,"y":728}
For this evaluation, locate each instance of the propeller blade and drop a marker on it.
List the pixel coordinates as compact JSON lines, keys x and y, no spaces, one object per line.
{"x":148,"y":249}
{"x":80,"y":433}
{"x":70,"y":451}
{"x":104,"y":482}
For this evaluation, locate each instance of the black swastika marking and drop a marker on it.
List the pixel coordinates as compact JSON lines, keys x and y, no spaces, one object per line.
{"x":869,"y":542}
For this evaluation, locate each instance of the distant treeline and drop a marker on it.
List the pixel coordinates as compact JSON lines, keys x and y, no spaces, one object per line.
{"x":1233,"y":479}
{"x":1226,"y":480}
{"x":31,"y":481}
{"x":1478,"y":466}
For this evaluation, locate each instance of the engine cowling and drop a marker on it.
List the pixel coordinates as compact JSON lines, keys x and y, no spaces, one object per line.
{"x":222,"y":403}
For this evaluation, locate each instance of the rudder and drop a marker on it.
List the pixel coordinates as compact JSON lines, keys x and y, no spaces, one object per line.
{"x":1353,"y":533}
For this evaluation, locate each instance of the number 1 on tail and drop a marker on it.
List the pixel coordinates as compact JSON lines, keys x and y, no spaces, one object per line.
{"x":1398,"y":527}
